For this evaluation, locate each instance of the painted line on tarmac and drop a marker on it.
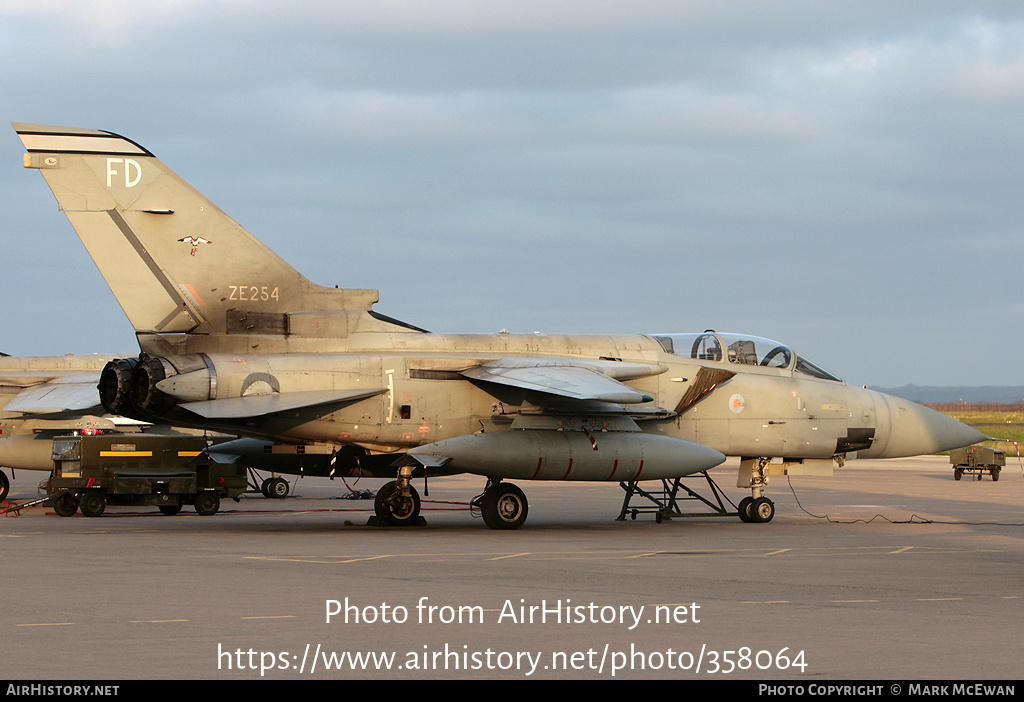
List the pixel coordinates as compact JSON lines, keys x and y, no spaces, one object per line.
{"x":511,"y":555}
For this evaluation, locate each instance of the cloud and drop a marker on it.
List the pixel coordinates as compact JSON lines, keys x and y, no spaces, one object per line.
{"x":820,"y":172}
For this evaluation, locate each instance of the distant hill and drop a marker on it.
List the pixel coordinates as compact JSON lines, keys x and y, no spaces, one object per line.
{"x":984,"y":394}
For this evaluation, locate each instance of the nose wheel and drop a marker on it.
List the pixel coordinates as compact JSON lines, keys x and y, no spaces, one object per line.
{"x":762,"y":510}
{"x":756,"y":510}
{"x":753,"y":474}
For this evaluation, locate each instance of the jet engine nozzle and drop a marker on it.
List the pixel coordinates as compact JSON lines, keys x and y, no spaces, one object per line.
{"x":115,"y":385}
{"x":144,"y":392}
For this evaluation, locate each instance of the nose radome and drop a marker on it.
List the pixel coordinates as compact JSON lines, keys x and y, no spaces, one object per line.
{"x":918,"y":430}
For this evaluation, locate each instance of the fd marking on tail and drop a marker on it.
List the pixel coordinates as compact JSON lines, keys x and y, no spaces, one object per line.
{"x":130,"y":165}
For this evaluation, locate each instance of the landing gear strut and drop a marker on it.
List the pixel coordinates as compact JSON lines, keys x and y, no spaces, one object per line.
{"x":502,"y":505}
{"x":397,"y":502}
{"x":754,"y":475}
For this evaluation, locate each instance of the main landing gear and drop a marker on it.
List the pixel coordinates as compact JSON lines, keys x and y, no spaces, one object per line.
{"x":398,"y":503}
{"x":502,"y":505}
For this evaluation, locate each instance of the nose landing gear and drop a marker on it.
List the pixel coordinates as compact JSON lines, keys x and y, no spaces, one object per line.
{"x":753,"y":474}
{"x":756,"y":510}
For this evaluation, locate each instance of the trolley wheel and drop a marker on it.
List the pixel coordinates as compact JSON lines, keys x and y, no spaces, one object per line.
{"x":92,"y":503}
{"x":170,"y":510}
{"x":958,"y":473}
{"x":995,"y":474}
{"x":207,"y":503}
{"x":65,"y":504}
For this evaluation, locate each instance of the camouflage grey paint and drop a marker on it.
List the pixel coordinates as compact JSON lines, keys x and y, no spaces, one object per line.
{"x":235,"y":339}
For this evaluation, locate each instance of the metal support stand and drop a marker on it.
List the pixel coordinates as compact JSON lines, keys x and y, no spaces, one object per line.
{"x":664,"y":503}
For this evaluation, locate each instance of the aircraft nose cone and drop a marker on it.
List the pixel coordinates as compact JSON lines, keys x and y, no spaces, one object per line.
{"x":918,"y":430}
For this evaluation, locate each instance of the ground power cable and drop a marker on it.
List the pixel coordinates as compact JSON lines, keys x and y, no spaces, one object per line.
{"x":914,"y":519}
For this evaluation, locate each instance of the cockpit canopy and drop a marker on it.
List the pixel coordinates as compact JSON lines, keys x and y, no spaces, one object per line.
{"x":740,"y":349}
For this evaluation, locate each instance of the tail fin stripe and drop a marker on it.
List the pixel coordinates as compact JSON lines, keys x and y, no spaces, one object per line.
{"x":167,"y":285}
{"x":79,"y":142}
{"x":80,"y":145}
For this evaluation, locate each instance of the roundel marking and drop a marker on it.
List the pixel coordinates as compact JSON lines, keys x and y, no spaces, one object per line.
{"x":737,"y":403}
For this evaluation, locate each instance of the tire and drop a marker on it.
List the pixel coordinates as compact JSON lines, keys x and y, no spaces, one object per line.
{"x":92,"y":503}
{"x":277,"y":488}
{"x":169,"y":510}
{"x":995,"y":474}
{"x":207,"y":503}
{"x":5,"y":486}
{"x":504,"y":506}
{"x":392,"y":509}
{"x":762,"y":510}
{"x":744,"y":510}
{"x":65,"y":504}
{"x":958,"y":473}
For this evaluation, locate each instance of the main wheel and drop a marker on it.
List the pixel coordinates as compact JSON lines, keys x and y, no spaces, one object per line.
{"x":207,"y":503}
{"x":762,"y":510}
{"x":504,"y":506}
{"x":393,"y":508}
{"x":92,"y":503}
{"x":65,"y":504}
{"x":5,"y":486}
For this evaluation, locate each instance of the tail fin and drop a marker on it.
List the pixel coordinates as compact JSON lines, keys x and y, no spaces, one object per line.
{"x":175,"y":262}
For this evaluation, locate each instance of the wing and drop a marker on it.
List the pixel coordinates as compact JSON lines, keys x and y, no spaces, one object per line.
{"x":262,"y":405}
{"x":584,"y":381}
{"x":37,"y":395}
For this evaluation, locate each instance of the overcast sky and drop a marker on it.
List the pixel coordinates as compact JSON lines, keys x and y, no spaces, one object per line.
{"x":846,"y":178}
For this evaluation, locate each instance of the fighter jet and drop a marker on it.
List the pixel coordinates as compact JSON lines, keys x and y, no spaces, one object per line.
{"x":234,"y":339}
{"x":46,"y":396}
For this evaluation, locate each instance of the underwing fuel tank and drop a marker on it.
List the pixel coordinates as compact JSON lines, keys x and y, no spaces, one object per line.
{"x":27,"y":452}
{"x":570,"y":455}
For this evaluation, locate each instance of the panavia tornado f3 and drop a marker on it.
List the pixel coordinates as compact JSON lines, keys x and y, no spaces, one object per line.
{"x":234,"y":339}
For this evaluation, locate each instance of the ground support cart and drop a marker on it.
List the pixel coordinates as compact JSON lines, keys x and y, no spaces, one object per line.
{"x":977,"y":459}
{"x":90,"y":472}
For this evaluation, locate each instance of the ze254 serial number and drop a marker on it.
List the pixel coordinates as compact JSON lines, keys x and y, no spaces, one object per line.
{"x":261,"y":293}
